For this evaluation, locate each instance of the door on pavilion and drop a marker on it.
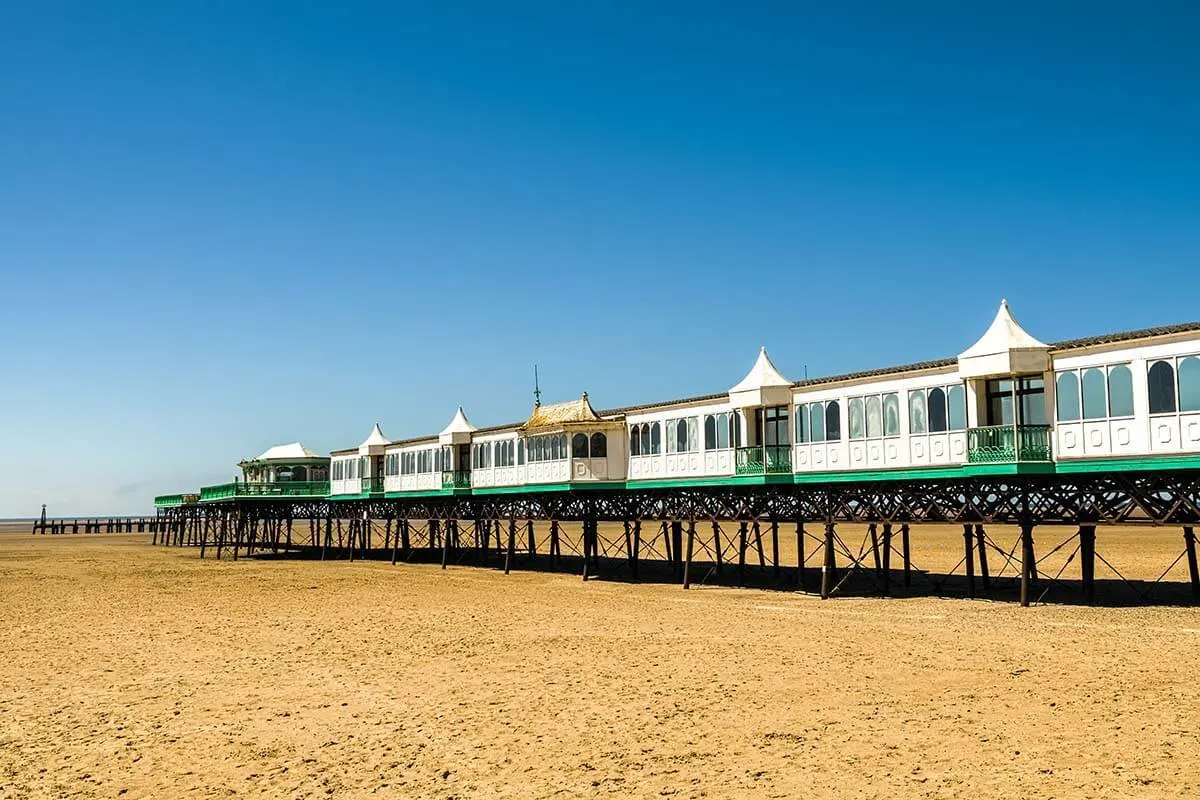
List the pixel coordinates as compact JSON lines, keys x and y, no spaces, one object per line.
{"x":1019,"y":401}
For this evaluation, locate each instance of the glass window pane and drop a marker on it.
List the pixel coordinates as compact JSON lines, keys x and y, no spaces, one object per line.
{"x":874,"y":414}
{"x":655,"y":438}
{"x":1067,"y":396}
{"x":599,"y":445}
{"x":723,"y":430}
{"x":681,"y":435}
{"x":693,"y":434}
{"x":579,"y":446}
{"x":891,"y":415}
{"x":635,"y":441}
{"x":833,"y":421}
{"x":816,"y":415}
{"x":857,"y":426}
{"x":1161,"y":385}
{"x":1189,"y":384}
{"x":710,"y":432}
{"x":1120,"y":391}
{"x":801,"y":424}
{"x":916,"y":412}
{"x":937,"y":409}
{"x":1094,"y":390}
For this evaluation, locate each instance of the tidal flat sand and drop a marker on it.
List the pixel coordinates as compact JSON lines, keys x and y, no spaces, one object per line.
{"x":133,"y":671}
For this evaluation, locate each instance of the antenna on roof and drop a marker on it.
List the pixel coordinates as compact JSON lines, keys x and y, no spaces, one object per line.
{"x":806,"y":372}
{"x":537,"y":392}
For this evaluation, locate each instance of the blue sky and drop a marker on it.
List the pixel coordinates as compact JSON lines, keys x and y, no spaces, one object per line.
{"x":228,"y":225}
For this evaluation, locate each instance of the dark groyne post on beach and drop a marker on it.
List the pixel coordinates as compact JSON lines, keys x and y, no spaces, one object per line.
{"x":1189,"y":541}
{"x":40,"y":523}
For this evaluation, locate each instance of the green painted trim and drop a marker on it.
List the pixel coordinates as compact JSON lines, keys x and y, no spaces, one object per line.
{"x":1141,"y":464}
{"x":713,"y":480}
{"x":591,"y":486}
{"x":1009,"y":468}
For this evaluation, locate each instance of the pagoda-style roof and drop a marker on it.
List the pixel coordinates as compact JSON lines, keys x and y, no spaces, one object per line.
{"x":288,"y":453}
{"x":1004,"y":349}
{"x":458,"y":431}
{"x":375,"y":442}
{"x":559,"y":416}
{"x":764,"y":385}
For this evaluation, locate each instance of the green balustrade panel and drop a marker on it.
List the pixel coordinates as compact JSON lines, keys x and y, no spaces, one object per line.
{"x":371,"y":485}
{"x":458,"y":479}
{"x":226,"y":491}
{"x":1006,"y":444}
{"x":768,"y":460}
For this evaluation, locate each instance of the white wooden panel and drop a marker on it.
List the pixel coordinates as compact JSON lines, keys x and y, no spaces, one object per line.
{"x":1164,"y":434}
{"x":1189,"y":430}
{"x":1070,"y":440}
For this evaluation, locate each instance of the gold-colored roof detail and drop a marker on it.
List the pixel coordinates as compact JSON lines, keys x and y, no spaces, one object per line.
{"x":556,"y":416}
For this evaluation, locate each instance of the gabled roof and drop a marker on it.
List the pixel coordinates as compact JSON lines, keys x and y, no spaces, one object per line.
{"x":295,"y":450}
{"x":555,"y":415}
{"x":460,"y":424}
{"x":1003,"y":335}
{"x":375,"y":438}
{"x":763,"y":373}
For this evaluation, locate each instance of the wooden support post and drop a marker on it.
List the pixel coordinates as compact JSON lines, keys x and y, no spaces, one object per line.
{"x":352,"y":526}
{"x":874,"y":533}
{"x":775,"y":547}
{"x":395,"y":542}
{"x":741,"y":552}
{"x":666,"y":535}
{"x":325,"y":540}
{"x":587,"y":546}
{"x":762,"y":556}
{"x":238,"y":532}
{"x":969,"y":558}
{"x":1189,"y":543}
{"x":687,"y":563}
{"x":676,"y":546}
{"x":1027,"y":565}
{"x":446,"y":545}
{"x":628,"y":539}
{"x":800,"y":556}
{"x":637,"y":546}
{"x":1087,"y":562}
{"x":885,"y":576}
{"x":204,"y":536}
{"x":405,"y":546}
{"x":829,"y":567}
{"x":555,"y":542}
{"x":981,"y":549}
{"x":532,"y":542}
{"x":906,"y":554}
{"x":717,"y":554}
{"x":512,"y":543}
{"x":153,"y":534}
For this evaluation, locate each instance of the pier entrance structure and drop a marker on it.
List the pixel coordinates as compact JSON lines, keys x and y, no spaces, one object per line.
{"x":1087,"y":432}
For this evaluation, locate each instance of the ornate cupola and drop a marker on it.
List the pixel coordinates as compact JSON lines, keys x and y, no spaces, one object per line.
{"x":458,"y":431}
{"x":1004,"y":349}
{"x":374,"y":443}
{"x":764,"y":385}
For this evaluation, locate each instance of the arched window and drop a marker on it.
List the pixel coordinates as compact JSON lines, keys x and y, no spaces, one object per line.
{"x":891,"y":415}
{"x":735,"y":429}
{"x":710,"y":432}
{"x":801,"y":415}
{"x":1094,"y":390}
{"x":681,"y":436}
{"x":857,"y":426}
{"x":816,"y":418}
{"x":655,"y":438}
{"x":722,"y":426}
{"x":916,"y":412}
{"x":1066,"y":391}
{"x":645,"y":437}
{"x":874,"y":414}
{"x":956,"y":403}
{"x":579,"y":445}
{"x":1120,"y":391}
{"x":1161,"y":384}
{"x":521,"y":452}
{"x":833,"y":421}
{"x":1189,"y":384}
{"x":635,"y":441}
{"x":599,"y":445}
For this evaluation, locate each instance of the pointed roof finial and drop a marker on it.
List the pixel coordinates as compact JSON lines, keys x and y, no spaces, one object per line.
{"x":537,"y":392}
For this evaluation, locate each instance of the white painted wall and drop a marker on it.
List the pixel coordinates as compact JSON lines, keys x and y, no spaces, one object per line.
{"x":664,"y":465}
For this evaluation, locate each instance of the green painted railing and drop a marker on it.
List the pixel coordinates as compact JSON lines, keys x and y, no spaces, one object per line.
{"x":1005,"y":444}
{"x":458,"y":479}
{"x":773,"y":459}
{"x":282,"y":489}
{"x":371,"y":485}
{"x":170,"y":500}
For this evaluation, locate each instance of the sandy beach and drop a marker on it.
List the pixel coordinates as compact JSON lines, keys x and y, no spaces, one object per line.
{"x":133,"y":671}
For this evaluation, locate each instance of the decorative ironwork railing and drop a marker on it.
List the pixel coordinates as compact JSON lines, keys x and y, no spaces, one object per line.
{"x":169,"y":500}
{"x":1006,"y":444}
{"x":458,"y":479}
{"x":371,"y":485}
{"x":772,"y":459}
{"x":282,"y":489}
